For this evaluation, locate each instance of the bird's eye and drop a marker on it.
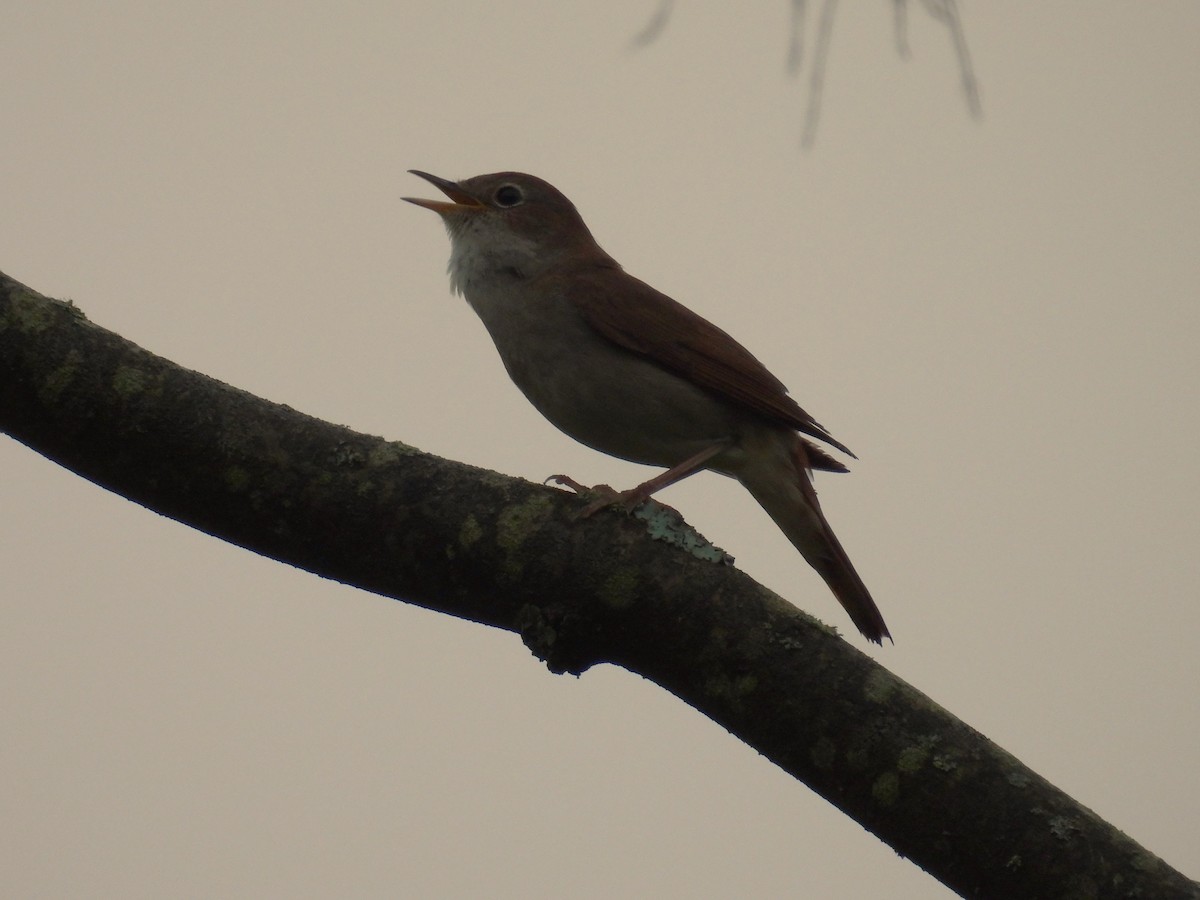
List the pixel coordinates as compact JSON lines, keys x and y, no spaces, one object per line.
{"x":508,"y":195}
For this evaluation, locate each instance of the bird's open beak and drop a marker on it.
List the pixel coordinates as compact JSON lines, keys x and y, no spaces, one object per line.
{"x":462,"y":200}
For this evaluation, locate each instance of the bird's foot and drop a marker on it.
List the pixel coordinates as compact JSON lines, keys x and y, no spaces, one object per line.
{"x":624,"y":500}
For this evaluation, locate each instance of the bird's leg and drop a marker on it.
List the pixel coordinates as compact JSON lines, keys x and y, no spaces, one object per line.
{"x":636,"y":496}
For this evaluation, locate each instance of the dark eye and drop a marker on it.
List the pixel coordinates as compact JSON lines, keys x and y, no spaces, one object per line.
{"x":508,"y":195}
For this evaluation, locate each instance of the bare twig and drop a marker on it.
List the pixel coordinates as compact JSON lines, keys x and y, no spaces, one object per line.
{"x":946,"y":12}
{"x":656,"y":26}
{"x":795,"y":56}
{"x":816,"y":78}
{"x":900,"y":8}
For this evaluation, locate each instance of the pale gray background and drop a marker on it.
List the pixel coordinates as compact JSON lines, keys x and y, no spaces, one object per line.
{"x":999,"y":317}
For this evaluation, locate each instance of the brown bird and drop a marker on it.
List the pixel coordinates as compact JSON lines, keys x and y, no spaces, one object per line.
{"x":630,"y":372}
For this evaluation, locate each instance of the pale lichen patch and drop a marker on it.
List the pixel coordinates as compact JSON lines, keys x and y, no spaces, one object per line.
{"x":60,"y":379}
{"x":516,"y":524}
{"x":879,"y":686}
{"x":619,"y":590}
{"x":470,"y":531}
{"x":129,"y":382}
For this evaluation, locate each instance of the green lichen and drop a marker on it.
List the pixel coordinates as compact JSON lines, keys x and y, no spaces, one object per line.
{"x":129,"y":382}
{"x":389,"y":452}
{"x":886,"y":789}
{"x":346,"y":456}
{"x":60,"y":379}
{"x":519,"y":521}
{"x":879,"y":687}
{"x":731,"y":689}
{"x":665,"y":524}
{"x":945,"y":763}
{"x":1063,"y":827}
{"x":515,"y":526}
{"x":536,"y":632}
{"x":619,"y":590}
{"x":29,"y":312}
{"x":470,"y":532}
{"x":912,"y":759}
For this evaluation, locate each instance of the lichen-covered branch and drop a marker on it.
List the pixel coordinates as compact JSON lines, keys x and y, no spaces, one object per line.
{"x":475,"y":544}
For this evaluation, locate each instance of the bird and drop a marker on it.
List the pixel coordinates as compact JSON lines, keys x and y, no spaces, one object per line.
{"x":624,"y":369}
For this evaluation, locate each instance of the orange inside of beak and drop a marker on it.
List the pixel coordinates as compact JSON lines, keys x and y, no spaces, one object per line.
{"x":462,"y":200}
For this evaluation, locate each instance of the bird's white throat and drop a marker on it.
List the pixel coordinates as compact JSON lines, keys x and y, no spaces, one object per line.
{"x":480,"y":254}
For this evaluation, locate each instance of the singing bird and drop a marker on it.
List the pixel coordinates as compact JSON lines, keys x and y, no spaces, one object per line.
{"x":626,"y":370}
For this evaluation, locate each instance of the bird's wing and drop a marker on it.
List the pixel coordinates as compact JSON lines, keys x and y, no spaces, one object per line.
{"x":647,"y":322}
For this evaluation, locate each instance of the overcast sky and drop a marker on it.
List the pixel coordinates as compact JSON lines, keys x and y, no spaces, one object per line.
{"x":999,"y":316}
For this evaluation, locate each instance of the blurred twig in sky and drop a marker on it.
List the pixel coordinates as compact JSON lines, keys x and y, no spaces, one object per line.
{"x":944,"y":11}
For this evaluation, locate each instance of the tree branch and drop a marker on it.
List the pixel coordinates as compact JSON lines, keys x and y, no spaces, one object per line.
{"x":471,"y":543}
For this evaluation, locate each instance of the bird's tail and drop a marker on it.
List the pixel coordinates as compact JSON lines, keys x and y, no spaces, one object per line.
{"x":787,"y":495}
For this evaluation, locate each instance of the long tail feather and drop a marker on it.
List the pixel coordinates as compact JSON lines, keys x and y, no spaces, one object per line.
{"x":787,"y":495}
